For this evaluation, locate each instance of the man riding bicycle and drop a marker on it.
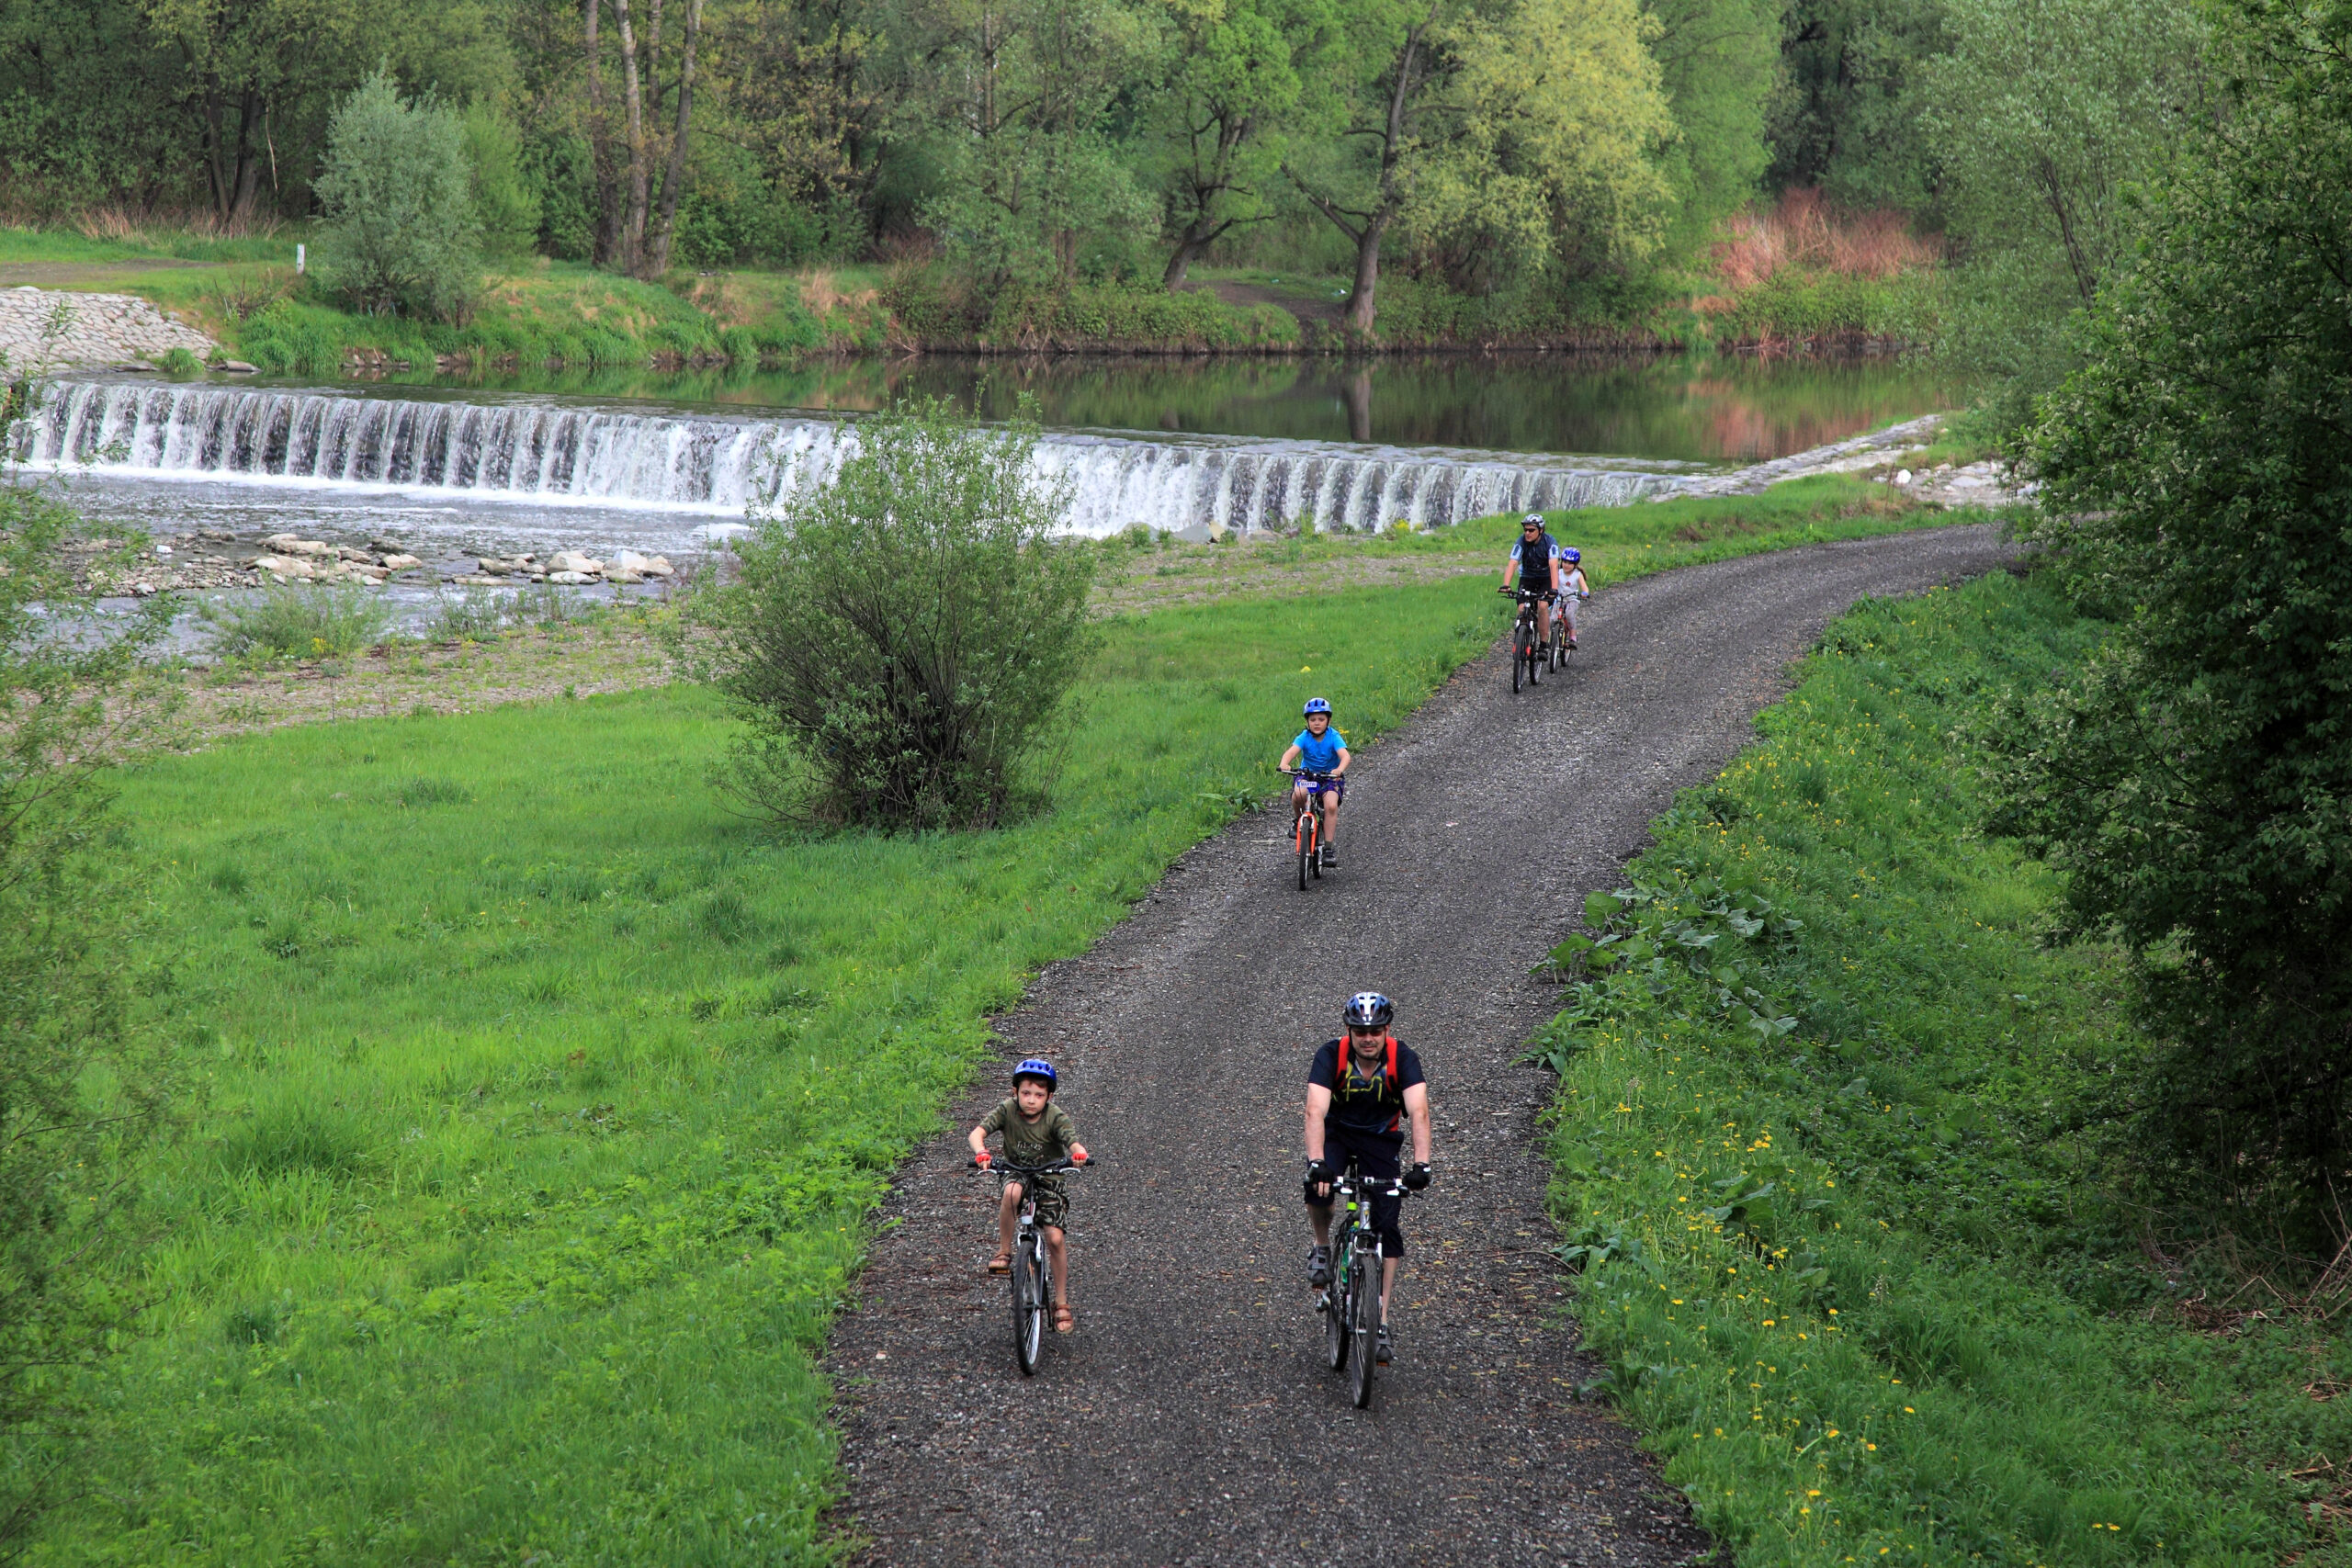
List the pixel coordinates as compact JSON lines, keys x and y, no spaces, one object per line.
{"x":1536,"y":559}
{"x":1319,"y":748}
{"x":1359,"y":1092}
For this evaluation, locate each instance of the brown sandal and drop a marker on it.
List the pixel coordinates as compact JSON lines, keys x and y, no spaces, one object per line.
{"x":1065,"y":1322}
{"x":1000,"y":1264}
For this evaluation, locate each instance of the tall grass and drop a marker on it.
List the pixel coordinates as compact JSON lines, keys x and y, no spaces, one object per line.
{"x":1866,"y":1267}
{"x":297,"y":623}
{"x":1804,"y":230}
{"x":546,"y":1096}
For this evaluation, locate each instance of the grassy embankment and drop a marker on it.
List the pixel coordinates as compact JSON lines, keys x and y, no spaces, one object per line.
{"x":1862,"y":1247}
{"x":544,"y":1098}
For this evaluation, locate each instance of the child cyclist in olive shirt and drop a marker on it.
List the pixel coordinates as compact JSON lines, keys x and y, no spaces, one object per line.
{"x":1036,"y":1132}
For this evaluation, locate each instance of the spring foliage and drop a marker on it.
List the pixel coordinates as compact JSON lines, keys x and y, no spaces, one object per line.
{"x":902,"y":637}
{"x":397,"y":189}
{"x":2193,"y":779}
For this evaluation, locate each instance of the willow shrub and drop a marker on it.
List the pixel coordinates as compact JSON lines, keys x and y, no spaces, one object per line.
{"x":902,"y":639}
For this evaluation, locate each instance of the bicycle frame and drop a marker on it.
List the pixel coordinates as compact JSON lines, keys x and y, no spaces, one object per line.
{"x":1307,"y":833}
{"x":1028,"y":1280}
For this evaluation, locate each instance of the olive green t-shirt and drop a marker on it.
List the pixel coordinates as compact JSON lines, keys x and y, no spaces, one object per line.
{"x":1045,"y":1141}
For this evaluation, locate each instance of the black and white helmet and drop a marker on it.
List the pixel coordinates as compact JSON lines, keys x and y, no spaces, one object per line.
{"x":1370,"y":1009}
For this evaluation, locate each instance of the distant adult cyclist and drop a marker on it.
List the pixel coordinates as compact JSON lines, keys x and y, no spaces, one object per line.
{"x":1536,"y":559}
{"x":1361,"y":1091}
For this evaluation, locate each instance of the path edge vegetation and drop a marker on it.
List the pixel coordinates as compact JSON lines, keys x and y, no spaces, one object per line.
{"x":1840,"y":1156}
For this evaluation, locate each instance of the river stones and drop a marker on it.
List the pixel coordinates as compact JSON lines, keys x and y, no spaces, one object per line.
{"x":566,"y":563}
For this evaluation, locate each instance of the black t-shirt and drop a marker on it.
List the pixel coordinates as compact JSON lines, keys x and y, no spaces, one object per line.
{"x":1360,"y":1104}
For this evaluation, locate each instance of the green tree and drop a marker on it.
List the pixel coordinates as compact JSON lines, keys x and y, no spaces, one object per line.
{"x":1847,"y":121}
{"x":2048,"y":112}
{"x":1719,"y":61}
{"x":2194,"y":781}
{"x":397,"y":191}
{"x":902,"y":636}
{"x":1236,"y":89}
{"x":1016,"y":101}
{"x":82,"y":1086}
{"x":504,"y":200}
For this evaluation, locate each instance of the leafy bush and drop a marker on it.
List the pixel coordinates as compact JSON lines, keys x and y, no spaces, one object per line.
{"x":505,"y":199}
{"x":297,"y":623}
{"x":901,"y":639}
{"x":396,"y":188}
{"x":81,"y":1085}
{"x":2191,"y":778}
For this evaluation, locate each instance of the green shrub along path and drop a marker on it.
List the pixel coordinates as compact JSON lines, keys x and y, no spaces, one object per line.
{"x":1833,"y":1152}
{"x":543,"y":1101}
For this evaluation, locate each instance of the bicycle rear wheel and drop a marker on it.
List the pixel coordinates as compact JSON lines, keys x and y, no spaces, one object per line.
{"x":1029,"y":1306}
{"x":1363,"y":1323}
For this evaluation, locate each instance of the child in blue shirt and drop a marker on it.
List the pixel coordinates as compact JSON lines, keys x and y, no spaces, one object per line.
{"x":1319,"y":748}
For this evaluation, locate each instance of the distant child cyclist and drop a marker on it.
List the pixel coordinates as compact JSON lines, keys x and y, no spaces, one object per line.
{"x":1536,"y":559}
{"x":1359,"y":1093}
{"x":1574,"y":588}
{"x":1319,"y":748}
{"x":1036,"y":1132}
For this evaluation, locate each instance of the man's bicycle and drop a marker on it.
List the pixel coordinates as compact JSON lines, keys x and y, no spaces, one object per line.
{"x":1528,"y":655}
{"x":1350,"y":1302}
{"x":1307,"y":833}
{"x":1030,"y":1300}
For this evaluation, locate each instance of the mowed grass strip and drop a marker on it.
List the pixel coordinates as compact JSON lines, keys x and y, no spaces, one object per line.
{"x":1870,"y":1264}
{"x":546,"y":1099}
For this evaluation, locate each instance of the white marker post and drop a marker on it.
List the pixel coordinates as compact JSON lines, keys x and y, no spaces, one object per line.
{"x":301,"y":255}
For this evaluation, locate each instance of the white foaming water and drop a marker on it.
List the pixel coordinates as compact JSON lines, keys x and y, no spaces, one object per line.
{"x":712,"y":465}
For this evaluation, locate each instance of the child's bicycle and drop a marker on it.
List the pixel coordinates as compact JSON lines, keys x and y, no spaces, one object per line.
{"x":1307,"y":833}
{"x":1030,"y":1301}
{"x":1560,"y":648}
{"x":1350,"y":1302}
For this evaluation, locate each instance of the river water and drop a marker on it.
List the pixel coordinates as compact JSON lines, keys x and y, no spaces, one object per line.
{"x":667,"y":462}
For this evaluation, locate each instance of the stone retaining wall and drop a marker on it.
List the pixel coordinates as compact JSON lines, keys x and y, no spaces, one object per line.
{"x":49,"y":328}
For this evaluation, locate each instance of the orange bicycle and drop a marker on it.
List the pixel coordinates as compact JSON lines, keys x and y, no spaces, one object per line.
{"x":1307,"y":834}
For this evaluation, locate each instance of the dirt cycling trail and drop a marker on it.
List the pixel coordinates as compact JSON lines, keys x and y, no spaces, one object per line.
{"x":1188,"y":1420}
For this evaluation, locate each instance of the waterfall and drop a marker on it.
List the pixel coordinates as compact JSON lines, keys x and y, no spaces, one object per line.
{"x":715,"y":464}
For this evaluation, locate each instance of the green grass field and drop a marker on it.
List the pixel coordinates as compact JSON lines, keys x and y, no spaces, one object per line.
{"x":1863,"y":1253}
{"x":544,"y":1099}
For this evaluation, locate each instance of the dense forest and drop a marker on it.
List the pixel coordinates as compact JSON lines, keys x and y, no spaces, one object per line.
{"x":1537,"y":152}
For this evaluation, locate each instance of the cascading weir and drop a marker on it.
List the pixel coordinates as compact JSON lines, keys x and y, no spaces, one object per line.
{"x":603,"y":456}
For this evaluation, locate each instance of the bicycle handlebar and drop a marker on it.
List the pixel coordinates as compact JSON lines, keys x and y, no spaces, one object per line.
{"x":1005,"y":1168}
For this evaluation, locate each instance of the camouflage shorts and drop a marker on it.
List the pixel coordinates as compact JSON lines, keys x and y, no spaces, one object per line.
{"x":1053,"y":1203}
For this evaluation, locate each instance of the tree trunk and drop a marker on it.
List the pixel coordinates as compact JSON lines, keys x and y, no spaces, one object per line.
{"x":674,"y":182}
{"x":249,"y":159}
{"x":216,"y":167}
{"x":600,"y":145}
{"x":1360,"y":297}
{"x":632,"y":240}
{"x":1198,"y":236}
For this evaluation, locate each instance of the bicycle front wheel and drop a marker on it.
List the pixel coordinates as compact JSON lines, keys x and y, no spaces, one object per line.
{"x":1303,"y":836}
{"x":1518,"y":658}
{"x":1335,"y":1313}
{"x":1029,"y":1306}
{"x":1363,"y":1325}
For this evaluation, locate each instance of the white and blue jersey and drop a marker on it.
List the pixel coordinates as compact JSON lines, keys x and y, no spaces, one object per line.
{"x":1535,"y":569}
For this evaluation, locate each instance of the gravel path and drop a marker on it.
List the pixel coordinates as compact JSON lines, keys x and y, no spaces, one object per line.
{"x":1189,"y":1419}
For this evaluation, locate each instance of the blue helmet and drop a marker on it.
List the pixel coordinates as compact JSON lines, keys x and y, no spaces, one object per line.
{"x":1315,"y":706}
{"x":1571,"y":555}
{"x":1370,"y":1009}
{"x":1037,"y":1067}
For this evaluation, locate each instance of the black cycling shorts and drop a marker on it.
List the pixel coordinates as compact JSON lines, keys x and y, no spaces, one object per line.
{"x":1379,"y":1156}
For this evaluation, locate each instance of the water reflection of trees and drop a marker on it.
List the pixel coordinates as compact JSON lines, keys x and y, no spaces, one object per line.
{"x":1715,"y":409}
